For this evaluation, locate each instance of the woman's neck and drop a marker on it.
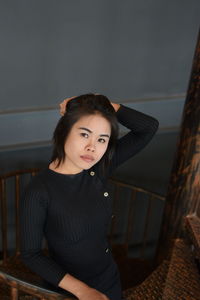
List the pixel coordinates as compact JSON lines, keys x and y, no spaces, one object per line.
{"x":62,"y":168}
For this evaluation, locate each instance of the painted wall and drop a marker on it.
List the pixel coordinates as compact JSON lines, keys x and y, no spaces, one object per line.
{"x":124,"y":49}
{"x":31,"y":128}
{"x":139,"y":53}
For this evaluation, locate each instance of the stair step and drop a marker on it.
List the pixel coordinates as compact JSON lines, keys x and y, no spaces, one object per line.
{"x":183,"y":278}
{"x":152,"y":287}
{"x":177,"y":278}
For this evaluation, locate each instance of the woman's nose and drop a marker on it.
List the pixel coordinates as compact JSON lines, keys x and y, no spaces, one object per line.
{"x":90,"y":147}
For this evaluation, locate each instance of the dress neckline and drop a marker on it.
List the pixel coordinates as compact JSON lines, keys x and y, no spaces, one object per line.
{"x":65,"y":175}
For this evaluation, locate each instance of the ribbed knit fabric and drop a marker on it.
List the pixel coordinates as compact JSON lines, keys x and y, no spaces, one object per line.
{"x":73,"y":212}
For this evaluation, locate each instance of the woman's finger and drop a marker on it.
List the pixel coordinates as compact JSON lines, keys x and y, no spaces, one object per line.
{"x":63,"y":105}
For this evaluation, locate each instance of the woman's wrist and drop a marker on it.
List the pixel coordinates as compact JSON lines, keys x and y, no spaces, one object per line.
{"x":73,"y":285}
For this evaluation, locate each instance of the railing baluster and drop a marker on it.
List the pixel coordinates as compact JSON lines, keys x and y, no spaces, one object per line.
{"x":14,"y":293}
{"x":144,"y":240}
{"x":4,"y":218}
{"x":130,"y":218}
{"x":17,"y":196}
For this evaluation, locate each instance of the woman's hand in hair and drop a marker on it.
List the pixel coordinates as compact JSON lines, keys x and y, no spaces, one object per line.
{"x":63,"y":105}
{"x":116,"y":106}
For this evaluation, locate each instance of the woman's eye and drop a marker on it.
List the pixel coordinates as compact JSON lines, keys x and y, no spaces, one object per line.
{"x":84,"y":134}
{"x":102,"y":140}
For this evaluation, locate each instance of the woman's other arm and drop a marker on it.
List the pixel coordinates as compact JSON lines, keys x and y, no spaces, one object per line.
{"x":141,"y":127}
{"x":80,"y":289}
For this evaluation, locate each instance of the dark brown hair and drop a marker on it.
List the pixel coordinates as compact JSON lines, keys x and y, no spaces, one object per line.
{"x":88,"y":104}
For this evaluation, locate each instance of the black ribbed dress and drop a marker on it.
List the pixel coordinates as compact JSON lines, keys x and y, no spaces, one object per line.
{"x":73,"y":213}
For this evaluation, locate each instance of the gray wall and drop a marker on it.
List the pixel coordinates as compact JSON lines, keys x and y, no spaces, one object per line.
{"x":124,"y":49}
{"x":32,"y":128}
{"x":136,"y":52}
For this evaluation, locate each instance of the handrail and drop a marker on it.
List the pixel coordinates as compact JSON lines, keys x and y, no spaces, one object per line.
{"x":29,"y":287}
{"x":138,"y":189}
{"x":19,"y":172}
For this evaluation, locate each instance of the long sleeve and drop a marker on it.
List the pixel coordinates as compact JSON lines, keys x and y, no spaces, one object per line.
{"x":33,"y":211}
{"x":142,"y":129}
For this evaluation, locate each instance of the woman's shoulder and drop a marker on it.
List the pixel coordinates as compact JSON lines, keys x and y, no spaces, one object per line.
{"x":35,"y":192}
{"x":37,"y":182}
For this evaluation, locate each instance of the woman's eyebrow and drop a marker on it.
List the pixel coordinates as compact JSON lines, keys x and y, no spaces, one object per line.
{"x":88,"y":130}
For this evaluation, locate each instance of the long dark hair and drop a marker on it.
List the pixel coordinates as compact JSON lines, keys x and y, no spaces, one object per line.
{"x":88,"y":104}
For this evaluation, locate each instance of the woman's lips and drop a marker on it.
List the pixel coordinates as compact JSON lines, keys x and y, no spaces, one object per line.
{"x":87,"y":158}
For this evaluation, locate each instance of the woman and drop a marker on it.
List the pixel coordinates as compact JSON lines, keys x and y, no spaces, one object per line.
{"x":69,"y":204}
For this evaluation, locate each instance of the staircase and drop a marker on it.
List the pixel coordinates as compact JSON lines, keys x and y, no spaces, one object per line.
{"x":178,"y":277}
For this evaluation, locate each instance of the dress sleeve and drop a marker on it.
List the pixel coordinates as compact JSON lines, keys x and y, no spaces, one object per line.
{"x":33,"y":211}
{"x":142,"y":129}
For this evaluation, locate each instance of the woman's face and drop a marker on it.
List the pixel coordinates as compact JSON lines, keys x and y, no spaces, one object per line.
{"x":86,"y":143}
